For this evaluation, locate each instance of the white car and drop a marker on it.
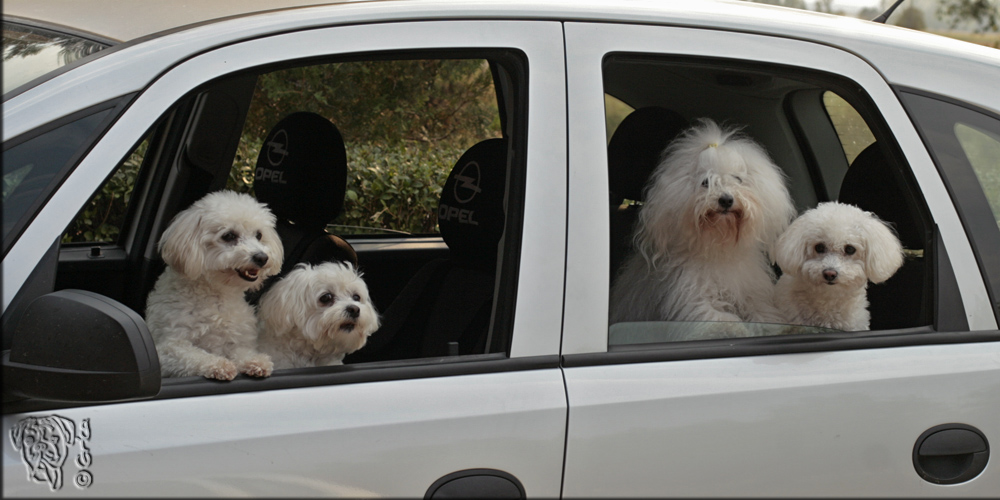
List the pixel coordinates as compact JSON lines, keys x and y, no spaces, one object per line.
{"x":496,"y":372}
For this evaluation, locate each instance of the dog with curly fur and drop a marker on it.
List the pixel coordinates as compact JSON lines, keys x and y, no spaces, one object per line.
{"x":222,"y":246}
{"x":712,"y":210}
{"x":316,"y":315}
{"x":827,"y":257}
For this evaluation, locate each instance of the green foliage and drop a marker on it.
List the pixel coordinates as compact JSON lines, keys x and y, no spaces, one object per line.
{"x":396,"y":186}
{"x":101,"y":218}
{"x":984,"y":14}
{"x":405,"y":124}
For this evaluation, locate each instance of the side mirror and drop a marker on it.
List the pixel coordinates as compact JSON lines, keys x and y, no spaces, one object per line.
{"x":79,"y":346}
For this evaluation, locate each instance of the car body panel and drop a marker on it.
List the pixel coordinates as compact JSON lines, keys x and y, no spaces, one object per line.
{"x":388,"y":439}
{"x":839,"y":417}
{"x":812,"y":424}
{"x":397,"y":415}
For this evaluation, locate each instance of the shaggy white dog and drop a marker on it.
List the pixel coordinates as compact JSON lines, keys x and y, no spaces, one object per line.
{"x":217,"y":249}
{"x":713,"y":207}
{"x":316,"y":315}
{"x":827,"y":256}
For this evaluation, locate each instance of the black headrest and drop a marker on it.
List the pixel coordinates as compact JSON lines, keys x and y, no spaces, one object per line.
{"x":634,"y":150}
{"x":471,"y":212}
{"x":302,"y":170}
{"x":870,"y":185}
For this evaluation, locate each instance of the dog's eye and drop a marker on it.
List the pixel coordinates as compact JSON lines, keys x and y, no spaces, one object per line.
{"x":738,"y":179}
{"x":849,"y":250}
{"x":820,"y":248}
{"x":327,"y":299}
{"x":230,"y":237}
{"x":704,"y":183}
{"x":356,"y":297}
{"x":259,"y":236}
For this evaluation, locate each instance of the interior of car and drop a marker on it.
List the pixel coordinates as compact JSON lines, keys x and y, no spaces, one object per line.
{"x":823,"y":132}
{"x":420,"y":259}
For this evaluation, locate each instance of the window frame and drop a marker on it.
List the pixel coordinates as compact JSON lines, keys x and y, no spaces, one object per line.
{"x":587,"y":49}
{"x":974,"y":209}
{"x":173,"y":90}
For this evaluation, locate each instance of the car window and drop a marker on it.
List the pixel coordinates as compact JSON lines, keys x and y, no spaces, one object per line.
{"x":30,"y":52}
{"x":103,"y":217}
{"x":982,"y":149}
{"x":822,"y":136}
{"x":404,"y":124}
{"x":965,"y":144}
{"x":31,"y":169}
{"x":854,"y":133}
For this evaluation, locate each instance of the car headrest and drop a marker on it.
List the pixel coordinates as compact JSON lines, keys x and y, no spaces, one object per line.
{"x":870,"y":185}
{"x":471,"y":211}
{"x":634,"y":150}
{"x":301,"y":171}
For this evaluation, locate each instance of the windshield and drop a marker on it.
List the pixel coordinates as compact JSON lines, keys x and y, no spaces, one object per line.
{"x":30,"y":52}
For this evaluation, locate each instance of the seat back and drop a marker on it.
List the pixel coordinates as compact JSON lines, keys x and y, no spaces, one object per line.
{"x":633,"y":154}
{"x":301,"y":175}
{"x":870,"y":184}
{"x":451,"y":300}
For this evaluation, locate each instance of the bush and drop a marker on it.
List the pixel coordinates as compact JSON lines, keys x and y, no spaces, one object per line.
{"x":388,"y":186}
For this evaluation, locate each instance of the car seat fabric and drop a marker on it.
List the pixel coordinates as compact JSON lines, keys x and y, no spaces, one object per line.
{"x":451,"y":300}
{"x":301,"y":175}
{"x":633,"y":154}
{"x":871,"y":185}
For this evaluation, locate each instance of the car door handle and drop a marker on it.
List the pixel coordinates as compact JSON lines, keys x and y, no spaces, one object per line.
{"x":951,"y":453}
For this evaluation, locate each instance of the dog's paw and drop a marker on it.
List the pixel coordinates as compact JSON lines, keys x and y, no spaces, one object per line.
{"x":222,"y":370}
{"x":258,"y":367}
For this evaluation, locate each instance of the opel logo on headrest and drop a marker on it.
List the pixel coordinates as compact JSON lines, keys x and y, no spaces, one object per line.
{"x":277,"y":148}
{"x":467,"y":183}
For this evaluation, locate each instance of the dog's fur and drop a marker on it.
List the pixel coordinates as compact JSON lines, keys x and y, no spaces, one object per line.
{"x":316,"y":315}
{"x":713,"y":208}
{"x":222,"y":246}
{"x":827,"y":256}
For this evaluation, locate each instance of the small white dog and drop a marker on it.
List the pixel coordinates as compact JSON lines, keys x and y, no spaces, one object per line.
{"x":316,"y":315}
{"x":713,"y":208}
{"x":217,"y":249}
{"x":827,"y":256}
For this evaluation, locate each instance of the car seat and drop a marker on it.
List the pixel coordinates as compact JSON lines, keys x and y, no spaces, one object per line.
{"x":633,"y":154}
{"x":301,"y":175}
{"x":871,"y":185}
{"x":451,"y":300}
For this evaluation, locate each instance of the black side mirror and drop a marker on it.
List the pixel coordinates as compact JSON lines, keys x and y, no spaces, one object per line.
{"x":79,"y":346}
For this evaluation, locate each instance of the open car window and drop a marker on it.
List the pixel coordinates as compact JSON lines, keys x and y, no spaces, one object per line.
{"x":830,"y":144}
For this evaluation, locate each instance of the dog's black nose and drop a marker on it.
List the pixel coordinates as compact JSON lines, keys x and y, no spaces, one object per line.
{"x":353,"y":311}
{"x":830,"y":275}
{"x":259,"y":258}
{"x":726,"y":201}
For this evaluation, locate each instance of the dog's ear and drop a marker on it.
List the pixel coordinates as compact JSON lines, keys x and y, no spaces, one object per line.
{"x":884,"y":255}
{"x":181,"y":244}
{"x":790,"y":250}
{"x":275,"y":250}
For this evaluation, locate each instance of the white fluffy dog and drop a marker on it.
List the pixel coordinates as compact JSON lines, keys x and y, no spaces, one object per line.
{"x":217,"y":249}
{"x":713,"y":208}
{"x":316,"y":315}
{"x":827,"y":256}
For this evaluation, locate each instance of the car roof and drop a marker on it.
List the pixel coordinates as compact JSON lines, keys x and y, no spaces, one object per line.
{"x":903,"y":57}
{"x":123,"y":20}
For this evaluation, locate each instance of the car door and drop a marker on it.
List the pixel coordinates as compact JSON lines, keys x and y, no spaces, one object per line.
{"x":825,"y":414}
{"x":382,"y":429}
